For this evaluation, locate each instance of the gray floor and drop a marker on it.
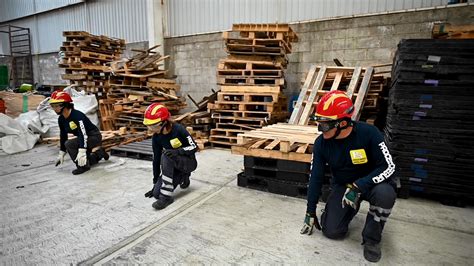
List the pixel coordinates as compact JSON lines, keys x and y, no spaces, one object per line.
{"x":52,"y":217}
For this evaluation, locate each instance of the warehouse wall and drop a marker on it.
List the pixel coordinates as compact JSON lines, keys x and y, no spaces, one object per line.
{"x":354,"y":41}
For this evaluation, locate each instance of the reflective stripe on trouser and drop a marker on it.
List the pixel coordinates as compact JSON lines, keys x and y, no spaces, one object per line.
{"x":335,"y":219}
{"x":172,"y":173}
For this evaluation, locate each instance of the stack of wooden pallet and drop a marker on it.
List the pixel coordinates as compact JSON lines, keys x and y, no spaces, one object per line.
{"x":137,"y":82}
{"x":84,"y":58}
{"x":251,"y":80}
{"x":294,"y":140}
{"x":199,"y":122}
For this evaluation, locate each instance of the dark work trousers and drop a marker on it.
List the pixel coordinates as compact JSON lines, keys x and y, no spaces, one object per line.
{"x":335,"y":219}
{"x":173,"y":172}
{"x":72,"y":147}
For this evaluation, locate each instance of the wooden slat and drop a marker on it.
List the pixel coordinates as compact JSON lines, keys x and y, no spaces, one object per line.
{"x":336,"y":81}
{"x":302,"y":148}
{"x":295,"y":115}
{"x":318,"y":84}
{"x":272,"y":145}
{"x":362,"y":93}
{"x":257,"y":144}
{"x":354,"y":81}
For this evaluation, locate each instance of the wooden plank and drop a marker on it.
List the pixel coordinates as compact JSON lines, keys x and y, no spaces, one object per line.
{"x":257,"y":144}
{"x":295,"y":115}
{"x":362,"y":93}
{"x":337,"y":80}
{"x":302,"y":148}
{"x":318,"y":84}
{"x":272,"y":145}
{"x":272,"y":154}
{"x":354,"y":81}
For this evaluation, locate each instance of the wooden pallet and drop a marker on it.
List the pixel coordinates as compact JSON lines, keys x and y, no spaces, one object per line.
{"x":313,"y":89}
{"x":239,"y":80}
{"x":448,"y":31}
{"x":107,"y":114}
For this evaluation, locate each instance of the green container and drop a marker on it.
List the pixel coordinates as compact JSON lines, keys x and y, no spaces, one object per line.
{"x":3,"y":77}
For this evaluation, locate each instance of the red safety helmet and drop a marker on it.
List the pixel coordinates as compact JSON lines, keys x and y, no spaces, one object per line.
{"x":334,"y":105}
{"x":60,"y":97}
{"x":155,"y":113}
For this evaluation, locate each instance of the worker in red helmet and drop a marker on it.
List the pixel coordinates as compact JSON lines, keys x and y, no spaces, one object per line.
{"x":173,"y":155}
{"x":362,"y":169}
{"x":86,"y":149}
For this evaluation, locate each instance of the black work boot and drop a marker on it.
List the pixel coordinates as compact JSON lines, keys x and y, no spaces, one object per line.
{"x":80,"y":170}
{"x":372,"y":252}
{"x":185,"y":183}
{"x":104,"y":154}
{"x":162,"y":202}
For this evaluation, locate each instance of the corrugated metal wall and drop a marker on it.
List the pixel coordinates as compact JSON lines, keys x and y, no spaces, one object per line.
{"x":14,"y":9}
{"x":125,"y":19}
{"x":128,"y":18}
{"x":188,"y":17}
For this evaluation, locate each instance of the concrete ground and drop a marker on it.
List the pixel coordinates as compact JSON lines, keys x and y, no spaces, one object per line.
{"x":49,"y":216}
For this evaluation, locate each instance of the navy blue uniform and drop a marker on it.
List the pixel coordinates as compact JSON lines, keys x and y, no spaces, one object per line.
{"x":361,"y":158}
{"x":169,"y":172}
{"x":88,"y":135}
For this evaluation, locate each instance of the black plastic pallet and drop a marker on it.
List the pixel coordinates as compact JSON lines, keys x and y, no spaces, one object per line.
{"x":276,"y":164}
{"x":276,"y":174}
{"x":292,"y":189}
{"x":142,"y":150}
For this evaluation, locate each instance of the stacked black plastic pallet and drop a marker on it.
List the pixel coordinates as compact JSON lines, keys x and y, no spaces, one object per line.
{"x":289,"y":178}
{"x":430,"y":123}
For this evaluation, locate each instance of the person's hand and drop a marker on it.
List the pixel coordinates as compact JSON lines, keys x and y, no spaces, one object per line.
{"x":351,"y":196}
{"x":310,"y":221}
{"x":60,"y":159}
{"x":81,"y":158}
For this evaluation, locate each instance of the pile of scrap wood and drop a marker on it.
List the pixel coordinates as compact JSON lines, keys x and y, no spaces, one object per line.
{"x":109,"y":138}
{"x":294,"y":140}
{"x":251,"y":80}
{"x":199,"y":122}
{"x":85,"y":57}
{"x":137,"y":82}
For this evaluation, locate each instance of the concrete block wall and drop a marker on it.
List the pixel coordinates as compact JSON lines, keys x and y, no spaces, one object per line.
{"x":194,"y":61}
{"x":354,"y":41}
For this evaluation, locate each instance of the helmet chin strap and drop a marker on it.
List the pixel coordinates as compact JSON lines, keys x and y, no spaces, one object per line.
{"x":339,"y":128}
{"x":163,"y":127}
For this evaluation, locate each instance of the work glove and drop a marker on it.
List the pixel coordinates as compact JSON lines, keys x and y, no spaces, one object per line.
{"x":149,"y":194}
{"x":81,"y":158}
{"x":351,"y":196}
{"x":310,"y":221}
{"x":60,"y":159}
{"x":171,"y":153}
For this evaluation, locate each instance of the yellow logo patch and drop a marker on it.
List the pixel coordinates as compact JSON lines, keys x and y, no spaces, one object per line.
{"x":72,"y":125}
{"x":175,"y":143}
{"x":358,"y":156}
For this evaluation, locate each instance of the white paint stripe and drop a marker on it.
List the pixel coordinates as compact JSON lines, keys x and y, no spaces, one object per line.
{"x":390,"y":165}
{"x":84,"y":133}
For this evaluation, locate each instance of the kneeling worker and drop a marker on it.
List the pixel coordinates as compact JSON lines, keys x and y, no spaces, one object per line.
{"x":361,"y":168}
{"x":173,"y":155}
{"x":85,"y":150}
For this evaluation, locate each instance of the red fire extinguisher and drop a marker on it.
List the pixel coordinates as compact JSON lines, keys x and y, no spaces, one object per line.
{"x":3,"y":108}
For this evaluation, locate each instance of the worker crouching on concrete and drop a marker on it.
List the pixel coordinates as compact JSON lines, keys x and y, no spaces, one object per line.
{"x":173,"y":155}
{"x":361,"y":168}
{"x":85,"y":150}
